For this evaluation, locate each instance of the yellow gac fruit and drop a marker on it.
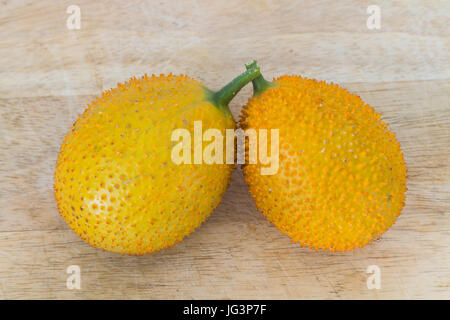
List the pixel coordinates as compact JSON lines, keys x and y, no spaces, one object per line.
{"x":341,"y":178}
{"x":116,"y":184}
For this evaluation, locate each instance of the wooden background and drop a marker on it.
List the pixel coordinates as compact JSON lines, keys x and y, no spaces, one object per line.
{"x":48,"y":74}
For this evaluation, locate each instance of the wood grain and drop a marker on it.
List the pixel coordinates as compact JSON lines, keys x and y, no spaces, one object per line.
{"x":49,"y":73}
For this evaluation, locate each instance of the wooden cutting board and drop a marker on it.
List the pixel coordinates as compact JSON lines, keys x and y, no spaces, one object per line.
{"x":49,"y":73}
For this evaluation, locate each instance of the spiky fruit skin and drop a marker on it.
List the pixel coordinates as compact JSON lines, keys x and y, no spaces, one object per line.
{"x":116,"y":185}
{"x":341,"y":179}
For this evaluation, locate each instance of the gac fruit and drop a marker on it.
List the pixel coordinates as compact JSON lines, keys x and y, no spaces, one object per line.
{"x":341,"y":178}
{"x":116,"y":185}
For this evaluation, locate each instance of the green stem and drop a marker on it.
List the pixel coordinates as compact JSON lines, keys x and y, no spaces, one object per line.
{"x":259,"y":83}
{"x":223,"y":97}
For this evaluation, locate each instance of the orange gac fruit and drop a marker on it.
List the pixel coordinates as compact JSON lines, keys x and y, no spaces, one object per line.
{"x":350,"y":166}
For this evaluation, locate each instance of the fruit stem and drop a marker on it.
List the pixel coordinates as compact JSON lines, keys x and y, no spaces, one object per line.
{"x":259,"y":83}
{"x":223,"y":97}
